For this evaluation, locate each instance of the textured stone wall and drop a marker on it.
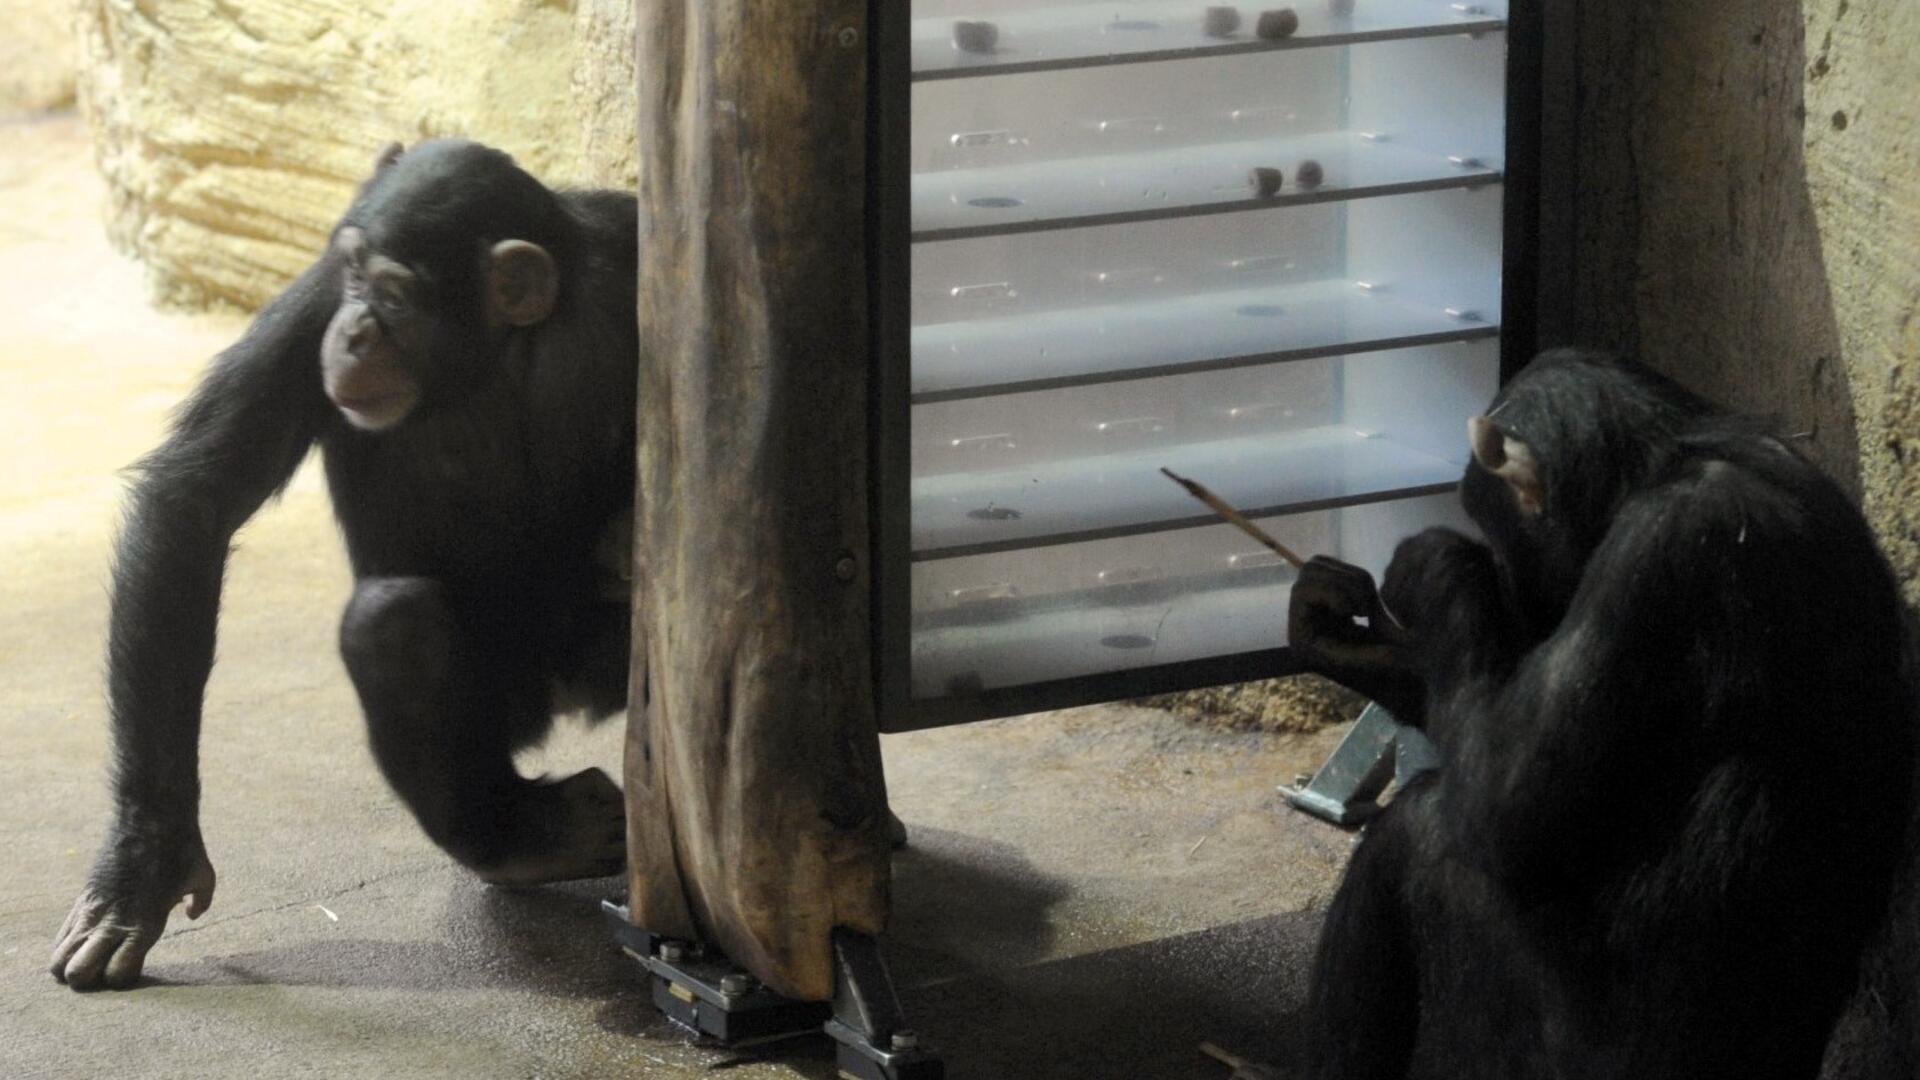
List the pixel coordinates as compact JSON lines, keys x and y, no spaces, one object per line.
{"x":36,"y":55}
{"x":1693,"y":237}
{"x":232,"y":135}
{"x":1863,"y":169}
{"x":1744,"y":179}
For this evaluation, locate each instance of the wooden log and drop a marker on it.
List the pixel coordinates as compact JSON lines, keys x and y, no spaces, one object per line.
{"x":756,"y":806}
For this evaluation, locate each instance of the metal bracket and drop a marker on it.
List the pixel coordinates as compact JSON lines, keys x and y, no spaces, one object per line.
{"x":869,"y":1031}
{"x":706,"y":994}
{"x":1346,"y":790}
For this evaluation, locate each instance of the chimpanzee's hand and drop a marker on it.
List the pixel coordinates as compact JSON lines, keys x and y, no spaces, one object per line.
{"x":1431,"y":572}
{"x":1336,"y":623}
{"x":1325,"y":629}
{"x":136,"y":880}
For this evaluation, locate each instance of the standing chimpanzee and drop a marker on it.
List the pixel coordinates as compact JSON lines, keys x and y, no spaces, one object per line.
{"x":466,"y":354}
{"x":1669,"y":692}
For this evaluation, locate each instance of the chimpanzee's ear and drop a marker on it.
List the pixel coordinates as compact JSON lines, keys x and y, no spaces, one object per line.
{"x":1509,"y":459}
{"x":389,"y":154}
{"x":522,"y":284}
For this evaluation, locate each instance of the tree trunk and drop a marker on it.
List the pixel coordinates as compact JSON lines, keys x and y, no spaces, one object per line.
{"x":756,"y":805}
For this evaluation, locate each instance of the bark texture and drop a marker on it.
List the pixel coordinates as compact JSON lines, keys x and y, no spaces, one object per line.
{"x":756,"y":805}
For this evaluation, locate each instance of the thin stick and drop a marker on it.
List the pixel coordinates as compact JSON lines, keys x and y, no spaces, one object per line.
{"x":1231,"y":1061}
{"x":1235,"y":518}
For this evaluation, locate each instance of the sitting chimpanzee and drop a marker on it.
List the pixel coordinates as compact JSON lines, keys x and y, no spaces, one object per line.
{"x":465,"y":353}
{"x":1668,"y":688}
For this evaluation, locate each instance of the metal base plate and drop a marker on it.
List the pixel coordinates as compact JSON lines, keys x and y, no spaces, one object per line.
{"x":859,"y":1059}
{"x":1379,"y":749}
{"x":708,"y":995}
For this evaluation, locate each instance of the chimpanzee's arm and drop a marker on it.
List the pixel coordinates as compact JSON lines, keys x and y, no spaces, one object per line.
{"x":1540,"y":744}
{"x":234,"y":443}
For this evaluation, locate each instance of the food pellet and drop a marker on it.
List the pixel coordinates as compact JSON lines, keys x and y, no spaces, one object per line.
{"x":975,"y":37}
{"x":1277,"y":24}
{"x":1222,"y":21}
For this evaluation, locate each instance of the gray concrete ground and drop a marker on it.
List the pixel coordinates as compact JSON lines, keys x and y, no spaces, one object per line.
{"x":1088,"y":893}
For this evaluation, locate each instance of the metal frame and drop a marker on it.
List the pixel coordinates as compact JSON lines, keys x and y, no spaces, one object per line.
{"x":1528,"y":220}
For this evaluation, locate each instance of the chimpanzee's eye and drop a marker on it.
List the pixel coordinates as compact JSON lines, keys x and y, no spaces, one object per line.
{"x":390,"y":301}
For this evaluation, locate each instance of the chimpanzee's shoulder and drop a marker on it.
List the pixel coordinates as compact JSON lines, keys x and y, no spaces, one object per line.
{"x":603,"y":209}
{"x":1735,"y":476}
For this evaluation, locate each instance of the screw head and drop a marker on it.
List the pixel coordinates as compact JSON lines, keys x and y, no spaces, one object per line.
{"x":848,"y":36}
{"x":737,"y":983}
{"x":845,"y":567}
{"x":903,"y":1041}
{"x":672,"y":952}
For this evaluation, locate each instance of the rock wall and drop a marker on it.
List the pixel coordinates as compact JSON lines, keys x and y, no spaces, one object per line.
{"x":1692,"y":233}
{"x":232,"y":136}
{"x":36,"y":55}
{"x":1863,"y":169}
{"x":1743,"y":181}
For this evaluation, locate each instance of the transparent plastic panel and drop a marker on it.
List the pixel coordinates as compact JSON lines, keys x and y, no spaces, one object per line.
{"x":1144,"y":237}
{"x":988,"y":622}
{"x":1138,"y":143}
{"x":961,"y":38}
{"x":1013,"y":313}
{"x":1061,"y":465}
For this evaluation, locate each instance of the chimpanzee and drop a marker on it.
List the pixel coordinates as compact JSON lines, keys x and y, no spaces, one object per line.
{"x":465,"y":353}
{"x":1669,"y":692}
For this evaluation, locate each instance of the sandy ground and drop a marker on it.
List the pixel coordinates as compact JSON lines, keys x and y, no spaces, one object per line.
{"x":1088,"y":894}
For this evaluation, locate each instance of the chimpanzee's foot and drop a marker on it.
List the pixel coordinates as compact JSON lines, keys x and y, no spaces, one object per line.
{"x":580,"y":831}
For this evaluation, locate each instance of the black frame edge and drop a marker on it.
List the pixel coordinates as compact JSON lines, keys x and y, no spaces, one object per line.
{"x":889,"y":268}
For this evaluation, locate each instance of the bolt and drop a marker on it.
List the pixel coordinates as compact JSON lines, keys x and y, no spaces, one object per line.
{"x":672,"y":952}
{"x":737,"y":983}
{"x":904,"y":1041}
{"x":845,"y":567}
{"x":848,"y":36}
{"x":1301,"y":779}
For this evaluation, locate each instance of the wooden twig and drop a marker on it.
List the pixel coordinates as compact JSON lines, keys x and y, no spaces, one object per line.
{"x":1235,"y":517}
{"x":1231,"y":1061}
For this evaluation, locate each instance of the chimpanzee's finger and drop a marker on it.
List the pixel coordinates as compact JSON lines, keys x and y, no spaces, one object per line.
{"x":199,"y":895}
{"x":73,"y":934}
{"x":123,"y":968}
{"x":84,"y":970}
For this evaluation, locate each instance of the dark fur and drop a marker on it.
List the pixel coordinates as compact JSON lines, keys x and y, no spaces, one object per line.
{"x":1678,"y":748}
{"x":470,"y":527}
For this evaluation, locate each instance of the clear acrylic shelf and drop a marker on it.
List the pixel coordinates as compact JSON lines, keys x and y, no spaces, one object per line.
{"x":1178,"y":182}
{"x":1088,"y":498}
{"x":1065,"y":636}
{"x":1203,"y":331}
{"x":1061,"y":36}
{"x":1052,"y":613}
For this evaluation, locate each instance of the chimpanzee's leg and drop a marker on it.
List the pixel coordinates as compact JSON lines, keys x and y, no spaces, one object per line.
{"x":1363,"y":1005}
{"x":445,"y":710}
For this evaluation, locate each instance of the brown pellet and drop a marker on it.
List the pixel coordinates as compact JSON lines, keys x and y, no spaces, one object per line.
{"x":1222,"y":21}
{"x":1309,"y":173}
{"x":1265,"y":180}
{"x":1277,"y":24}
{"x":975,"y":37}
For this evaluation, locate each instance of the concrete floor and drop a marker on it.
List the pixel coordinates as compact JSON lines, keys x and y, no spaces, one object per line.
{"x":1088,"y":893}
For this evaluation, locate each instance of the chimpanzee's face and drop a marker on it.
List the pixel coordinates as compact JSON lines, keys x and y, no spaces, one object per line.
{"x":370,"y":357}
{"x":427,"y":296}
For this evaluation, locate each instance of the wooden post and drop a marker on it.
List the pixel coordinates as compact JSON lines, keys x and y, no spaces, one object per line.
{"x":755,"y":802}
